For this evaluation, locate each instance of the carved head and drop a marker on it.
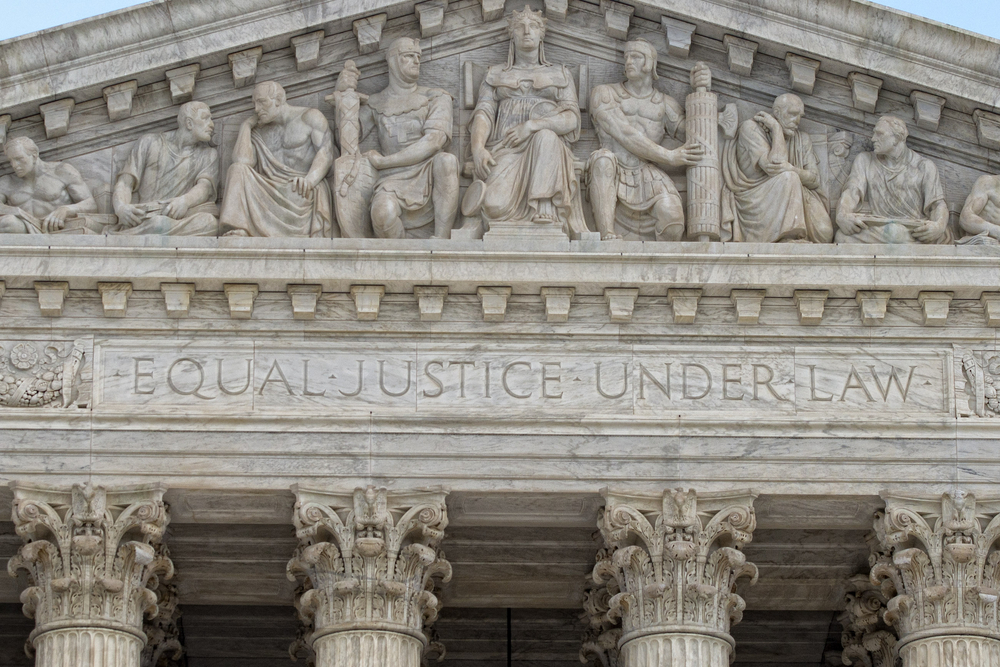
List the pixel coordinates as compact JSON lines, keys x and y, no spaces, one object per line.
{"x":890,"y":133}
{"x":526,"y":28}
{"x":788,"y":110}
{"x":403,"y":58}
{"x":640,"y":59}
{"x":23,"y":155}
{"x":196,"y":118}
{"x":268,"y":99}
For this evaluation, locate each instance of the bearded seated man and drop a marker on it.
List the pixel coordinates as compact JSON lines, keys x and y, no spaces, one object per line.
{"x":893,"y":195}
{"x":40,"y":197}
{"x":771,"y":180}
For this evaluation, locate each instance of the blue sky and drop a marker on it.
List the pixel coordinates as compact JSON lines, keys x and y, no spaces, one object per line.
{"x":21,"y":17}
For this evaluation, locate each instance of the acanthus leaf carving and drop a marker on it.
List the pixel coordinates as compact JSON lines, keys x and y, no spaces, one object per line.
{"x":675,"y":560}
{"x":368,"y":561}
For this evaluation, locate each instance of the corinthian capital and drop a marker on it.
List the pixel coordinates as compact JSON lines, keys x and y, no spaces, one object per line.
{"x":91,"y":559}
{"x":368,"y":562}
{"x":867,"y":639}
{"x":944,"y":572}
{"x":675,"y":560}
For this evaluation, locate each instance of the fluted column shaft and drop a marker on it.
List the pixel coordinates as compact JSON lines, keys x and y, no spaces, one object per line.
{"x":92,"y":565}
{"x":670,"y":566}
{"x":367,"y":563}
{"x":941,"y":573}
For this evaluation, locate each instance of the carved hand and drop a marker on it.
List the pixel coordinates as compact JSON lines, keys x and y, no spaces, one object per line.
{"x":302,"y":185}
{"x":377,"y":159}
{"x":850,"y":223}
{"x":769,"y":121}
{"x":517,"y":135}
{"x":701,"y":76}
{"x":55,"y":220}
{"x":687,"y":155}
{"x":773,"y":168}
{"x":482,"y":161}
{"x":348,"y":77}
{"x":129,"y":215}
{"x":930,"y":231}
{"x":251,"y":122}
{"x":176,"y":208}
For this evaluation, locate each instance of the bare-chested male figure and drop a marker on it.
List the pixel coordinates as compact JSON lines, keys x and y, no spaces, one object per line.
{"x":981,"y":213}
{"x":631,"y":196}
{"x":40,"y":196}
{"x":277,"y":183}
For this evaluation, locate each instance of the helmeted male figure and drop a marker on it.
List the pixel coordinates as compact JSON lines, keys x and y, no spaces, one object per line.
{"x":418,"y":179}
{"x":893,"y":195}
{"x":277,"y":185}
{"x":772,"y":183}
{"x":174,"y":178}
{"x":39,"y":197}
{"x":630,"y":194}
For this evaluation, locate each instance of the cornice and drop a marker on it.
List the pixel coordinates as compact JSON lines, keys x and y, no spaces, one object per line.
{"x":142,"y":42}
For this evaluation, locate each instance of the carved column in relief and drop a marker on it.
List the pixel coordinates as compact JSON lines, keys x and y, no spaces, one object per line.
{"x":675,"y":560}
{"x":93,"y":570}
{"x":704,"y":179}
{"x":942,"y":579}
{"x":368,"y":563}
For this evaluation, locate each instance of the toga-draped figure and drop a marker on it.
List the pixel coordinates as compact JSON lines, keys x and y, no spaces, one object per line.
{"x":526,"y":117}
{"x":771,"y":182}
{"x":893,"y":195}
{"x":175,"y":177}
{"x":277,"y":183}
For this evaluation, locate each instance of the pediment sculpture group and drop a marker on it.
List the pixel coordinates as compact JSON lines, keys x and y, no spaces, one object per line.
{"x":288,"y":179}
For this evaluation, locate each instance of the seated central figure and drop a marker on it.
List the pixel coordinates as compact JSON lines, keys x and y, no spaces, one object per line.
{"x":526,"y":117}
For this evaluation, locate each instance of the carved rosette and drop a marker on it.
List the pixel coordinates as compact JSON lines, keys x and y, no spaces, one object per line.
{"x":93,"y":570}
{"x":675,"y":560}
{"x":368,"y":563}
{"x":942,"y":579}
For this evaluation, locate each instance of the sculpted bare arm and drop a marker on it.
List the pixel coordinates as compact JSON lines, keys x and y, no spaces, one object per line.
{"x":606,"y":112}
{"x":972,"y":220}
{"x":322,"y":140}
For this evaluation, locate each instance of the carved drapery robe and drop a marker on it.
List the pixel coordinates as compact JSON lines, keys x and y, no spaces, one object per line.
{"x":160,"y":174}
{"x":640,"y":183}
{"x":401,"y":122}
{"x":263,"y":201}
{"x":541,"y":167}
{"x":758,"y":208}
{"x":900,"y":198}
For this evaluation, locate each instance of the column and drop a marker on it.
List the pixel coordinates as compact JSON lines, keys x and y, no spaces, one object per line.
{"x":867,"y":639}
{"x":671,"y":569}
{"x":92,"y":566}
{"x":367,"y":564}
{"x":941,"y":577}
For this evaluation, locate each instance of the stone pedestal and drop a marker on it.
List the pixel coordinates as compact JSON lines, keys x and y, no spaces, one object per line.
{"x":671,"y":567}
{"x":92,"y":569}
{"x":368,"y":564}
{"x":941,"y":575}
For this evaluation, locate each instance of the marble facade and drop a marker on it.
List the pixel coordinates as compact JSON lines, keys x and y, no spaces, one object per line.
{"x":386,"y":333}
